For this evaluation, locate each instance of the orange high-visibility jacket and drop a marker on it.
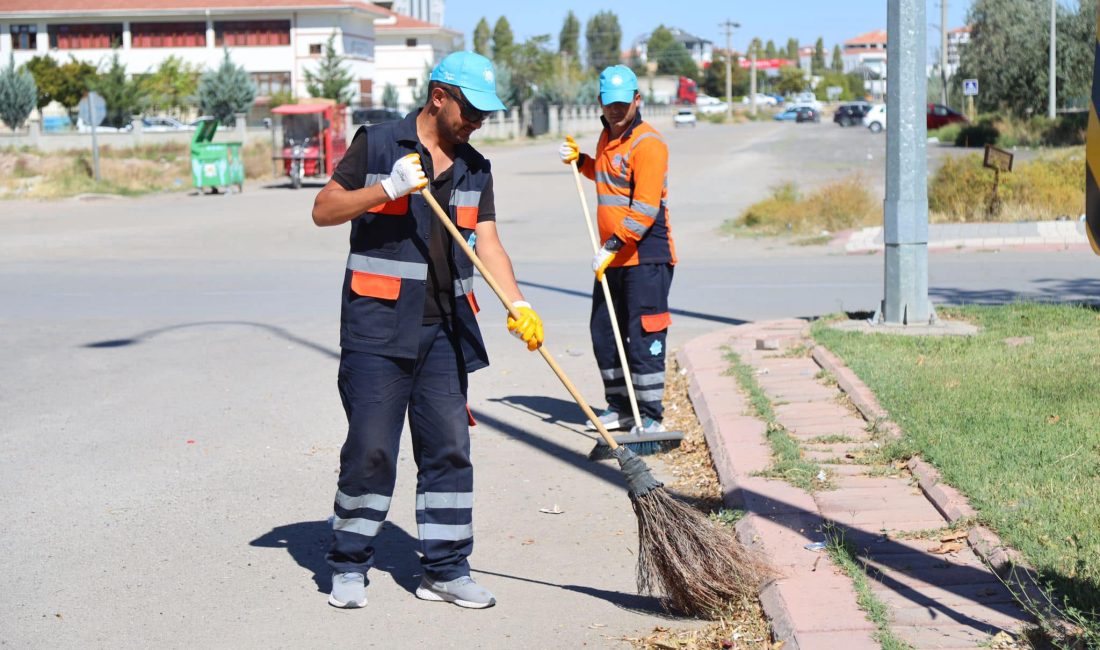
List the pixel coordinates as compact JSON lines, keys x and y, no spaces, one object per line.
{"x":631,"y":174}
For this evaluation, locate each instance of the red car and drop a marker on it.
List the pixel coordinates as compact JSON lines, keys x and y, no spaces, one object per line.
{"x":940,"y":115}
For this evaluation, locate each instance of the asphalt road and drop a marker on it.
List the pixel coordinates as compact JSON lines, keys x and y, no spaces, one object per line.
{"x":170,"y":423}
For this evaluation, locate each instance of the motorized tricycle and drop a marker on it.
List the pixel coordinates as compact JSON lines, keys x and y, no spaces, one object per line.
{"x":314,"y":140}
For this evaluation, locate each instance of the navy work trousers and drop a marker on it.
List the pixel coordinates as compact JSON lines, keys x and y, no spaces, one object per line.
{"x":640,"y":297}
{"x":377,"y":391}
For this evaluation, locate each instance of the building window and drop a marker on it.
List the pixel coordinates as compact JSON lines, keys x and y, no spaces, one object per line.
{"x":168,"y":34}
{"x":314,"y":48}
{"x":270,"y":83}
{"x":85,"y":36}
{"x":24,"y":37}
{"x":366,"y":90}
{"x":250,"y":33}
{"x":410,"y":42}
{"x":412,"y":82}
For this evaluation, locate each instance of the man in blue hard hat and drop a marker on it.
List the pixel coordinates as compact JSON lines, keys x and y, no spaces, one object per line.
{"x":408,"y":332}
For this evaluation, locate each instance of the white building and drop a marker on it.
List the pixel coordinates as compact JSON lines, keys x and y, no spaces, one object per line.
{"x":956,"y":40}
{"x":429,"y":11}
{"x":275,"y":41}
{"x":701,"y":50}
{"x":866,"y":54}
{"x":406,"y":49}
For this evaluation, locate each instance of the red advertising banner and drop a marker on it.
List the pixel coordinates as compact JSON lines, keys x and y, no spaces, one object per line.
{"x":765,"y":64}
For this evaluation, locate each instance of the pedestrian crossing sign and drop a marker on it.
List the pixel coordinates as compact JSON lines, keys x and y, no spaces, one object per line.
{"x":970,"y":87}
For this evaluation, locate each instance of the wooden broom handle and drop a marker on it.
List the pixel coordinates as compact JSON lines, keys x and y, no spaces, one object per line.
{"x":451,"y":228}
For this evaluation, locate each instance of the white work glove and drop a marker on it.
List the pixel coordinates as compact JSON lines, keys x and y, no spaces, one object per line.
{"x":406,"y":176}
{"x":569,"y":151}
{"x":604,"y":256}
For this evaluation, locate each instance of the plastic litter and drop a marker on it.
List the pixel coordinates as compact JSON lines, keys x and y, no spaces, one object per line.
{"x":816,"y":546}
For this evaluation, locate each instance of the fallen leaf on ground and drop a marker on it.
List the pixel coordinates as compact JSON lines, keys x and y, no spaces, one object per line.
{"x":950,"y":537}
{"x":527,"y":542}
{"x":1053,"y":419}
{"x":947,"y":547}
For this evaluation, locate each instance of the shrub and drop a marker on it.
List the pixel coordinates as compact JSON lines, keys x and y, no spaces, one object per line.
{"x":837,"y":206}
{"x":977,"y":135}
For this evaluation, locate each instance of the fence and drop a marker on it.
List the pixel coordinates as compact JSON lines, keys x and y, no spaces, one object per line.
{"x":509,"y":125}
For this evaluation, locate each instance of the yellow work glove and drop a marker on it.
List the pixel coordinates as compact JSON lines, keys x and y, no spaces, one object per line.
{"x":604,"y":256}
{"x":528,"y":327}
{"x":406,"y":176}
{"x":569,"y":151}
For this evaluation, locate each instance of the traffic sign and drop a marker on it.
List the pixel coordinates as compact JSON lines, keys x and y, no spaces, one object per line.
{"x":970,"y":87}
{"x":93,"y":108}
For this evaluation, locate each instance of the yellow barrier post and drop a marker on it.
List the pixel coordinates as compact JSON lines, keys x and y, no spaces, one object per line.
{"x":1092,"y":159}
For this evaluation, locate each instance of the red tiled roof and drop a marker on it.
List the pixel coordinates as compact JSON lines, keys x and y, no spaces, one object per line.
{"x":863,"y":50}
{"x":876,"y":37}
{"x":77,"y":7}
{"x":960,"y":30}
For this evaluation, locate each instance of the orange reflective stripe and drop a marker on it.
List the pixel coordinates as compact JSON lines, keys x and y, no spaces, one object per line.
{"x":372,"y":285}
{"x":473,"y":302}
{"x":466,"y":216}
{"x":656,"y":322}
{"x":397,"y":206}
{"x":470,"y":416}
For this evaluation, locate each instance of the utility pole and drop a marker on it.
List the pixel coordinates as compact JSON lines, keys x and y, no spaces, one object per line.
{"x":730,"y":26}
{"x":943,"y":52}
{"x":752,"y":81}
{"x":905,"y":223}
{"x":1053,"y":52}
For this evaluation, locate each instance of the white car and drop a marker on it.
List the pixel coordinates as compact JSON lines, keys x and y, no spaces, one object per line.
{"x":684,"y":117}
{"x":711,"y":108}
{"x":164,"y":124}
{"x":875,"y":119}
{"x":761,"y":100}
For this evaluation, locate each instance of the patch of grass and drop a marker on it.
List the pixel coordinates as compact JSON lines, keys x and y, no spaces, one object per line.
{"x":727,"y":516}
{"x":946,"y":133}
{"x":844,"y":556}
{"x":1050,"y":186}
{"x":836,"y":206}
{"x":787,"y":461}
{"x":831,"y":439}
{"x":817,"y":240}
{"x":1013,"y":428}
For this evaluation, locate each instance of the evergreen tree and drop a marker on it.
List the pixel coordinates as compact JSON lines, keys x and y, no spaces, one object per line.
{"x":226,"y":91}
{"x":817,"y":64}
{"x":481,"y":37}
{"x":389,"y":96}
{"x":569,"y":39}
{"x":603,"y":38}
{"x":792,"y":50}
{"x":17,"y":94}
{"x":123,"y":95}
{"x":331,"y":80}
{"x":503,"y":41}
{"x":671,"y":56}
{"x":838,"y":59}
{"x":769,"y":50}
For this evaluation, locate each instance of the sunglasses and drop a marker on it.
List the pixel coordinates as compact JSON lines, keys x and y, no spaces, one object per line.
{"x":469,"y":113}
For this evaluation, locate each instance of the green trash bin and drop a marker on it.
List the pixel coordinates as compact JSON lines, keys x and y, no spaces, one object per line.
{"x":217,"y":165}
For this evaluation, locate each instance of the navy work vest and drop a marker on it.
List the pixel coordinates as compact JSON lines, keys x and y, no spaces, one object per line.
{"x":385,"y":284}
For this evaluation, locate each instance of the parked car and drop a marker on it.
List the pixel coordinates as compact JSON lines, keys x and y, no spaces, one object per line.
{"x":164,"y":124}
{"x":875,"y":119}
{"x":799,"y":114}
{"x":710,"y":105}
{"x":805,"y":99}
{"x":940,"y":115}
{"x":684,"y":117}
{"x":761,"y":100}
{"x":374,"y":116}
{"x":82,"y":127}
{"x":851,"y":114}
{"x":937,"y":116}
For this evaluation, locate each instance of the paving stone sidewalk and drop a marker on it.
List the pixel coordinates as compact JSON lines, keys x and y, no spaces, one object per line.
{"x":935,"y":599}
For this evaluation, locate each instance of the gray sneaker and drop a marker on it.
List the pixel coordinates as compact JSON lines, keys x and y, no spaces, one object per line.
{"x":463,"y":592}
{"x":349,"y":590}
{"x":612,"y":420}
{"x":649,"y":425}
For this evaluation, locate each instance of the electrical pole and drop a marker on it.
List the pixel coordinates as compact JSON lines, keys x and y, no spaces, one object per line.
{"x":752,"y":80}
{"x":730,"y":26}
{"x":1053,"y":51}
{"x":943,"y":52}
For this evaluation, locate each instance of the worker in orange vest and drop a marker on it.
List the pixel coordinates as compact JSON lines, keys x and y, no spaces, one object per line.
{"x":630,"y":168}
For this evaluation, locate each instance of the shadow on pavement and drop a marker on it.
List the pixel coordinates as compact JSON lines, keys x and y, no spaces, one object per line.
{"x":551,"y":410}
{"x":650,"y":605}
{"x":142,"y":337}
{"x":1083,"y":290}
{"x":679,"y":312}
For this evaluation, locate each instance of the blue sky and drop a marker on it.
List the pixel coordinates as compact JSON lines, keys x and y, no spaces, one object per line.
{"x":805,"y":20}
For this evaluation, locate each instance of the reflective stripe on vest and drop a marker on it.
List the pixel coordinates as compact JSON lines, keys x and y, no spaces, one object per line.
{"x":612,"y":179}
{"x":392,"y":268}
{"x":465,"y":204}
{"x":374,"y":179}
{"x":371,"y":501}
{"x":464,"y":286}
{"x":444,"y":500}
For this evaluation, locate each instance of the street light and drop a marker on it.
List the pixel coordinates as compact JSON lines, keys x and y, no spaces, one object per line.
{"x":730,"y":26}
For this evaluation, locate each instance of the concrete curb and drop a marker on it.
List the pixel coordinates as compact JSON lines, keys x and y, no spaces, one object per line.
{"x":1030,"y":235}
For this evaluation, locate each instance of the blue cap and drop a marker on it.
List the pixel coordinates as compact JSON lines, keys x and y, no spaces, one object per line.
{"x":617,"y":84}
{"x":472,"y":73}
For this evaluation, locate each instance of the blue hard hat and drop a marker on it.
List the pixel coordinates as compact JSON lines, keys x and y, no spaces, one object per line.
{"x":472,"y":73}
{"x":618,"y":83}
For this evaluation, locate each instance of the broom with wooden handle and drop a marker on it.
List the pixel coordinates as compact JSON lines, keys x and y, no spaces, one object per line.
{"x":638,"y":441}
{"x":697,"y":566}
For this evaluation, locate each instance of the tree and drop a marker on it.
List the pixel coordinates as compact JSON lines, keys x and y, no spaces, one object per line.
{"x":17,"y":94}
{"x":533,"y":67}
{"x":817,"y":64}
{"x":503,"y":41}
{"x":389,"y":96}
{"x":1007,"y":53}
{"x":838,"y":60}
{"x":173,"y":86}
{"x":226,"y":91}
{"x":47,"y":78}
{"x":1076,"y":52}
{"x":671,"y":56}
{"x":420,"y":94}
{"x":481,"y":37}
{"x":331,"y":80}
{"x":769,"y":50}
{"x":569,"y":38}
{"x":791,"y":80}
{"x":603,"y":38}
{"x":714,"y":78}
{"x":792,"y":50}
{"x":122,"y":94}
